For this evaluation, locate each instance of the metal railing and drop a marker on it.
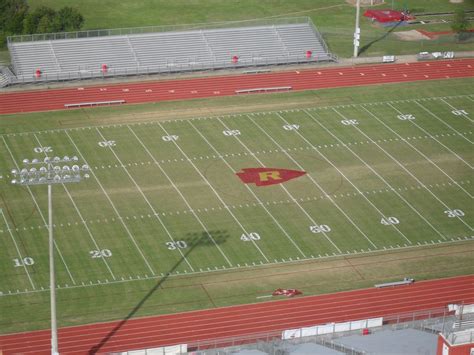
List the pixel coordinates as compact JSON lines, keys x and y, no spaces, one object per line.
{"x":155,"y":29}
{"x":89,"y":73}
{"x":396,"y":320}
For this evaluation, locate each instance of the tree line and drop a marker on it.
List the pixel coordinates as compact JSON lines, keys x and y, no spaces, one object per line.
{"x":17,"y":18}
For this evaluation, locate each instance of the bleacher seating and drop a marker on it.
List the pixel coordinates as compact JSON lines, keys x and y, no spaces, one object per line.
{"x":158,"y":52}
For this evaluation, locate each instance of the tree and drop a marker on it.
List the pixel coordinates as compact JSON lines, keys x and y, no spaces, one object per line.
{"x":45,"y":20}
{"x":460,"y":24}
{"x":70,"y":19}
{"x":12,"y":13}
{"x":41,"y":20}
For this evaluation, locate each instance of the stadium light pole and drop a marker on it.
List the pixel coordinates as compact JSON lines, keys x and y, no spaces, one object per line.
{"x":50,"y":172}
{"x":357,"y":30}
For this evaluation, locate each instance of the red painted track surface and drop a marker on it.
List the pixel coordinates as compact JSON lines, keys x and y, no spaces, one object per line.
{"x":155,"y":91}
{"x":247,"y":320}
{"x":270,"y":317}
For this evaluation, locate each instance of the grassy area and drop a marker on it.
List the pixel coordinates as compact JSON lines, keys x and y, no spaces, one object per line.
{"x":227,"y":105}
{"x":165,"y":223}
{"x":334,"y":18}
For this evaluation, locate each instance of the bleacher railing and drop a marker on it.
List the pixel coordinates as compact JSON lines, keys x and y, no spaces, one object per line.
{"x":86,"y":72}
{"x":155,"y":29}
{"x":276,"y":335}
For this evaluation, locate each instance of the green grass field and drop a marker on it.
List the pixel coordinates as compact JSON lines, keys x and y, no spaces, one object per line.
{"x":335,"y":19}
{"x":164,"y":210}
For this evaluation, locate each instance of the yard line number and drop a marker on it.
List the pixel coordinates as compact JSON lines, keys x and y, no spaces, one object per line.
{"x":350,"y":122}
{"x":454,"y":213}
{"x":179,"y":244}
{"x":104,"y":144}
{"x":103,"y":253}
{"x":42,"y":149}
{"x":231,"y":132}
{"x":406,"y":117}
{"x":459,"y":112}
{"x":291,"y":127}
{"x":170,"y":138}
{"x":27,"y":261}
{"x":247,"y":237}
{"x":320,"y":229}
{"x":387,"y":221}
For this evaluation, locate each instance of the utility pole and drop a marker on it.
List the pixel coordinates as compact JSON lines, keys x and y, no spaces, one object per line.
{"x":357,"y":31}
{"x":50,"y":172}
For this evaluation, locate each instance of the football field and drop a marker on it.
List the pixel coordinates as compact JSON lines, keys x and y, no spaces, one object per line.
{"x":163,"y":197}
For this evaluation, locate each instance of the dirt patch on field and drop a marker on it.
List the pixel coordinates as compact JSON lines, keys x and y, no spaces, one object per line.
{"x":412,"y":35}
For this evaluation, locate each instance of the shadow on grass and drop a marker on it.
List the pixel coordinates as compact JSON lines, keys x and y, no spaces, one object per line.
{"x":368,"y":45}
{"x":193,"y":241}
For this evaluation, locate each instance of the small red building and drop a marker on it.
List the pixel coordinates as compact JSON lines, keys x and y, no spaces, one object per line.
{"x":456,"y":343}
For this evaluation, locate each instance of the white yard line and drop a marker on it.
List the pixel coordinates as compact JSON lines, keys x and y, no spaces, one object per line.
{"x":416,"y":149}
{"x":89,"y":231}
{"x":347,"y":179}
{"x":182,"y":196}
{"x":157,"y":277}
{"x":235,"y":115}
{"x":18,"y":251}
{"x":251,"y":191}
{"x":454,"y":108}
{"x":311,"y":219}
{"x":446,"y":124}
{"x":130,"y":235}
{"x":406,"y":170}
{"x":41,"y":214}
{"x":80,"y":216}
{"x":380,"y":177}
{"x":241,"y":206}
{"x":430,"y":135}
{"x":215,"y":193}
{"x":319,"y":186}
{"x":147,"y":202}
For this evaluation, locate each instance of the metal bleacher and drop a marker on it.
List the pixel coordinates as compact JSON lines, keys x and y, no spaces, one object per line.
{"x":80,"y":55}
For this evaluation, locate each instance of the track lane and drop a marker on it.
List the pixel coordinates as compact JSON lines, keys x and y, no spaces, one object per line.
{"x":255,"y":318}
{"x":168,"y":90}
{"x":227,"y":321}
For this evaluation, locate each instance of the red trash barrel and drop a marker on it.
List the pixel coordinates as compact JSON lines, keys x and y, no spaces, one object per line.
{"x":309,"y":54}
{"x":104,"y":68}
{"x":365,"y":331}
{"x":235,"y":59}
{"x":38,"y":73}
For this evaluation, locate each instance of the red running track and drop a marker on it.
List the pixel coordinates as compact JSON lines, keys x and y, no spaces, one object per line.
{"x":246,"y":320}
{"x":165,"y":90}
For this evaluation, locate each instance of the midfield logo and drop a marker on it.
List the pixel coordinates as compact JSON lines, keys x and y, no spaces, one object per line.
{"x":268,"y":176}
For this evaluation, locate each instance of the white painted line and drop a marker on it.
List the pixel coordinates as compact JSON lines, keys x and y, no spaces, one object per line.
{"x":454,"y":108}
{"x":251,"y":191}
{"x":215,"y":193}
{"x":147,"y":201}
{"x":80,"y":215}
{"x":130,"y":235}
{"x":320,"y":187}
{"x":442,"y":121}
{"x":157,"y":277}
{"x":18,"y":251}
{"x":408,"y":171}
{"x":40,"y":213}
{"x":182,"y":196}
{"x":370,"y":168}
{"x":422,"y":154}
{"x":283,"y":187}
{"x":267,"y":296}
{"x":250,"y":113}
